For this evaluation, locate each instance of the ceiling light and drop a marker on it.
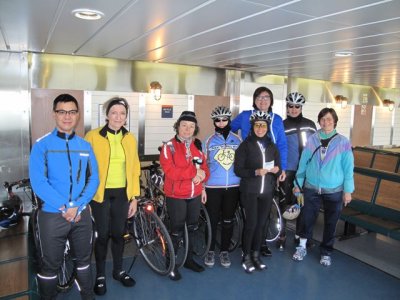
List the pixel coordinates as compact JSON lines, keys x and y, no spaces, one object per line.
{"x":87,"y":14}
{"x":155,"y":90}
{"x":344,"y":53}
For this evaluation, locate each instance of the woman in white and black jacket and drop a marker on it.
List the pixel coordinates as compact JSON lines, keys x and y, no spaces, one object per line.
{"x":257,"y":162}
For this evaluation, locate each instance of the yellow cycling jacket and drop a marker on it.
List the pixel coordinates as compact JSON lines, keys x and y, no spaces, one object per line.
{"x":101,"y":147}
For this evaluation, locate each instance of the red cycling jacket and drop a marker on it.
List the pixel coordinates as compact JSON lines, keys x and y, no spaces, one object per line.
{"x":179,"y":169}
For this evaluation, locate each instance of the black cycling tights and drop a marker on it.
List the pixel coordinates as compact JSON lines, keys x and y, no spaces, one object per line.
{"x":256,"y":208}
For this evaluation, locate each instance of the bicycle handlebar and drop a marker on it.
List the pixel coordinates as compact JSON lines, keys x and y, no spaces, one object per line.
{"x":19,"y":184}
{"x":154,"y":166}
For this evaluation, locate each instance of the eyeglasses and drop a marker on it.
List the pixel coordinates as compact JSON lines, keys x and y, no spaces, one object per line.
{"x":291,"y":106}
{"x":260,"y":98}
{"x":62,"y":112}
{"x":260,"y":125}
{"x":221,"y":120}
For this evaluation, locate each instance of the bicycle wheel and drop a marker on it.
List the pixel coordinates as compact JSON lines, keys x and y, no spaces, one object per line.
{"x":154,"y":242}
{"x":202,"y":236}
{"x":66,"y":274}
{"x":274,"y":223}
{"x":236,"y":239}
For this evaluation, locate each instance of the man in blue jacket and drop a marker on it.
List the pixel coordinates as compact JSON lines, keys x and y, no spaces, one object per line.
{"x":63,"y":174}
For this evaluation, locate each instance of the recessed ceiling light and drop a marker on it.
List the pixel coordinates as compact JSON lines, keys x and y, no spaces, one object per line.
{"x":87,"y":14}
{"x":344,"y":53}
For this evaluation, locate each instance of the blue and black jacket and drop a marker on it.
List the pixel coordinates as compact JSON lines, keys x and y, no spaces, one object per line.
{"x":63,"y":171}
{"x":220,"y":158}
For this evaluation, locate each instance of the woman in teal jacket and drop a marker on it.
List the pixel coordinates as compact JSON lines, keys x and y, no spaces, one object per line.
{"x":326,"y":174}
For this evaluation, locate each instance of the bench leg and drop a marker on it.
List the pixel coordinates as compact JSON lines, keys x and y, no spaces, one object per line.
{"x":349,"y":231}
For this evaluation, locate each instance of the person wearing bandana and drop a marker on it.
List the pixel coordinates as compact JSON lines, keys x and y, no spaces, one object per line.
{"x":222,"y":187}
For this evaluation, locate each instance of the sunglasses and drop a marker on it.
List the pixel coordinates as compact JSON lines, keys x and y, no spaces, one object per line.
{"x":291,"y":106}
{"x":260,"y":125}
{"x":221,"y":120}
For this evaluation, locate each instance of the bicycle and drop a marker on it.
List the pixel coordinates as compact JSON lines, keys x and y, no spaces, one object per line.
{"x":66,"y":274}
{"x":272,"y":230}
{"x":11,"y":210}
{"x":151,"y":237}
{"x":153,"y":190}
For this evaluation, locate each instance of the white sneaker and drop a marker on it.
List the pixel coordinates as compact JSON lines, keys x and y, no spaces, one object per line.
{"x":326,"y":260}
{"x":209,"y":260}
{"x":300,"y":253}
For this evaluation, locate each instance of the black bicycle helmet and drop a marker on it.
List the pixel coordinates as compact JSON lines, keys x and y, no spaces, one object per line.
{"x":296,"y":99}
{"x":221,"y":112}
{"x":260,"y":116}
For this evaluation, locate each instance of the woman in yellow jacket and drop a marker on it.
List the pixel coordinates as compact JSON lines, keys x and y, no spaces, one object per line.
{"x":119,"y":171}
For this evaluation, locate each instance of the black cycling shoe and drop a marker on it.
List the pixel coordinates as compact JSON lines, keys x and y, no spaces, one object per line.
{"x":265,"y":251}
{"x":100,"y":287}
{"x":175,"y":275}
{"x":124,"y":278}
{"x":257,"y":262}
{"x":247,"y":264}
{"x":194,"y":266}
{"x":281,"y":242}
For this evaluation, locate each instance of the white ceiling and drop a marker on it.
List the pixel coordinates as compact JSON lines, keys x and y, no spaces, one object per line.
{"x":291,"y":38}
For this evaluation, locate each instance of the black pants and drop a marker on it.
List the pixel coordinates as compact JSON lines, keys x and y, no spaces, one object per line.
{"x":54,"y":231}
{"x":256,"y":209}
{"x":221,"y":205}
{"x":181,"y":211}
{"x":110,"y":219}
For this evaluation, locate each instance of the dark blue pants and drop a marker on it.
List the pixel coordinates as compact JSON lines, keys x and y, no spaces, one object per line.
{"x":332,"y":206}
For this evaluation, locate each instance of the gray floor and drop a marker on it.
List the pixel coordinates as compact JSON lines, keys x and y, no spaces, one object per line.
{"x":371,"y":248}
{"x":361,"y":270}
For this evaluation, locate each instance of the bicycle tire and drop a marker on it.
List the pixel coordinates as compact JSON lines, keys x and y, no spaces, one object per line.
{"x":154,"y":242}
{"x":181,"y":252}
{"x":274,"y":223}
{"x":66,"y":273}
{"x":236,"y":239}
{"x":202,"y":236}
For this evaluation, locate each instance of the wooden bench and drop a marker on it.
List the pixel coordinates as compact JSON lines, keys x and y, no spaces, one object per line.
{"x":377,"y":159}
{"x":376,"y":203}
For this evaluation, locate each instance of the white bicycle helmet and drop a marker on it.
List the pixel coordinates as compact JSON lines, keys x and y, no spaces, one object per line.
{"x":258,"y":115}
{"x":296,"y":99}
{"x":221,"y":112}
{"x":291,"y":212}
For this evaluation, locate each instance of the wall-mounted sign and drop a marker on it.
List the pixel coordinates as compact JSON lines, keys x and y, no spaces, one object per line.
{"x":167,"y":111}
{"x":363,"y":110}
{"x":364,"y":98}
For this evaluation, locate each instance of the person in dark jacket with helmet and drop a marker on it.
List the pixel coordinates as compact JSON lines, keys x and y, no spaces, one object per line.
{"x":257,"y":162}
{"x":297,"y":130}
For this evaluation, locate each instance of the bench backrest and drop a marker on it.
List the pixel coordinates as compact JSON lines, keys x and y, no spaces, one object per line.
{"x":377,"y":159}
{"x":377,"y":193}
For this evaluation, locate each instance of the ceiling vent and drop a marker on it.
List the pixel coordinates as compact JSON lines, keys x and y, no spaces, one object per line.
{"x":238,"y":66}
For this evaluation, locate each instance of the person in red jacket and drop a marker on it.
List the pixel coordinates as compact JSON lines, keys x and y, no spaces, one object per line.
{"x":185,"y":169}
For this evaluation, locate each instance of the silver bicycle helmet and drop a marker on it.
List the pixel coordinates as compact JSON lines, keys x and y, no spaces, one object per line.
{"x":260,"y":116}
{"x":221,"y":112}
{"x":296,"y":99}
